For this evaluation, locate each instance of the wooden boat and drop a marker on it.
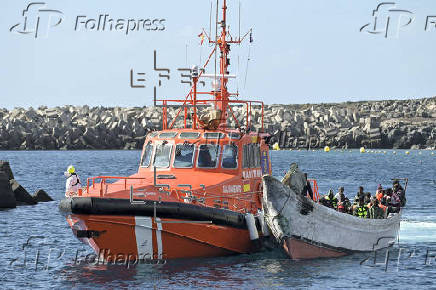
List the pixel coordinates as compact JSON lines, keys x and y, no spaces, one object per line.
{"x":197,"y":191}
{"x":307,"y":229}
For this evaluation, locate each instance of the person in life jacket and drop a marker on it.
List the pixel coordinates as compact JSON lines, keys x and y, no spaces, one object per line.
{"x":360,"y":194}
{"x":375,"y":211}
{"x":362,"y":210}
{"x":394,"y":203}
{"x":344,"y":204}
{"x":341,"y":190}
{"x":329,"y":200}
{"x":379,"y":193}
{"x":73,"y":185}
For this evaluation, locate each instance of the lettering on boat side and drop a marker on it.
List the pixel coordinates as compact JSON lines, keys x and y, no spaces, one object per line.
{"x":252,"y":173}
{"x":232,"y":188}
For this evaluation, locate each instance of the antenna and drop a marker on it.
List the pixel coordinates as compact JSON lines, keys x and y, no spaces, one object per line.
{"x":246,"y":69}
{"x":216,"y":35}
{"x":239,"y":31}
{"x":186,"y":54}
{"x":210,"y":19}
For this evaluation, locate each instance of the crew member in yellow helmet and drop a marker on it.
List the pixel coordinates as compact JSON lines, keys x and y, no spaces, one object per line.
{"x":73,"y":185}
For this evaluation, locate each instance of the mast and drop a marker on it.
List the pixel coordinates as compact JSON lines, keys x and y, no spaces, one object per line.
{"x":221,"y":95}
{"x":222,"y":100}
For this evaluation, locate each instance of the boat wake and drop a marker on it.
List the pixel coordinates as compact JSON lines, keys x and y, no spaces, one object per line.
{"x":418,"y":231}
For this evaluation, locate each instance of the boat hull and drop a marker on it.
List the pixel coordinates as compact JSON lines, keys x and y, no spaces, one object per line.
{"x":148,"y":238}
{"x":309,"y":230}
{"x":298,"y":249}
{"x":119,"y":229}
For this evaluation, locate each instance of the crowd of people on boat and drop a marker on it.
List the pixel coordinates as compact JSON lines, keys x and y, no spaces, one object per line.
{"x":364,"y":205}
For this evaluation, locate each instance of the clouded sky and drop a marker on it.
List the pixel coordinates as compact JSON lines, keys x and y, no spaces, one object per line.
{"x":303,"y":51}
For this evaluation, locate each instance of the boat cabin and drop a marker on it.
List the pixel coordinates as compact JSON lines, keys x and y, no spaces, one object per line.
{"x":215,"y":151}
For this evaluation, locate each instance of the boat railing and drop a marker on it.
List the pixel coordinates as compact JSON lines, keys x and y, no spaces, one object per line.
{"x":102,"y":186}
{"x":315,"y":191}
{"x":185,"y":104}
{"x":235,"y":201}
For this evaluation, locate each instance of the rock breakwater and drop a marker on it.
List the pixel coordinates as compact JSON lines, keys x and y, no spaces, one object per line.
{"x":375,"y":124}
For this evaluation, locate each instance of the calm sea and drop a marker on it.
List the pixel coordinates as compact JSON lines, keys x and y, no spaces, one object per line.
{"x":39,"y":233}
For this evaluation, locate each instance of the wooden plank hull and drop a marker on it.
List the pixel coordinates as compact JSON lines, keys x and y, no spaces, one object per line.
{"x":309,"y":230}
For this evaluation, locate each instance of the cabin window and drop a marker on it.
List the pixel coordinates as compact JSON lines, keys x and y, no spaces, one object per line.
{"x":208,"y":156}
{"x":245,"y":159}
{"x":162,"y":155}
{"x":184,"y":155}
{"x":214,"y":135}
{"x":153,"y":134}
{"x":168,"y":135}
{"x":235,"y":136}
{"x":146,"y":158}
{"x":257,"y":155}
{"x":189,"y":135}
{"x":251,"y":156}
{"x":230,"y":156}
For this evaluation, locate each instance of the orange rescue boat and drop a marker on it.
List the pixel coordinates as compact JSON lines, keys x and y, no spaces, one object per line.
{"x":198,"y":189}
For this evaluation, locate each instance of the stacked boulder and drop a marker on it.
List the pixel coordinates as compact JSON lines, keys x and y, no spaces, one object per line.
{"x":382,"y":124}
{"x":12,"y":194}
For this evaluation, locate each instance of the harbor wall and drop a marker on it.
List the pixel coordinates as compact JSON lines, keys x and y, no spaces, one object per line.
{"x":373,"y":124}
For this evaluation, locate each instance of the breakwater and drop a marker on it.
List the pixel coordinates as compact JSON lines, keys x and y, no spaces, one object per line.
{"x":374,"y":124}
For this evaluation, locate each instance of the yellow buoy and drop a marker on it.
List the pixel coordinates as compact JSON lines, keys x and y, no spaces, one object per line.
{"x":276,"y":146}
{"x":362,"y":149}
{"x":326,"y":149}
{"x":407,"y":152}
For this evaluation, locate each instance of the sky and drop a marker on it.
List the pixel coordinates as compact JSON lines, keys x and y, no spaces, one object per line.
{"x":310,"y":51}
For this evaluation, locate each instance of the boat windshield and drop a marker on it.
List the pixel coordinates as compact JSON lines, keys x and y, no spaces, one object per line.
{"x":146,"y":158}
{"x":208,"y":156}
{"x":184,"y":155}
{"x":230,"y":156}
{"x":162,"y":155}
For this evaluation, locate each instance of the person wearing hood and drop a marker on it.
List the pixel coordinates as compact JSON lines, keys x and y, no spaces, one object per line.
{"x":338,"y":194}
{"x":399,"y":191}
{"x":72,"y":185}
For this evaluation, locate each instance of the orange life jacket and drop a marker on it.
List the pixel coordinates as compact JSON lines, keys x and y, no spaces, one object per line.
{"x":379,"y":195}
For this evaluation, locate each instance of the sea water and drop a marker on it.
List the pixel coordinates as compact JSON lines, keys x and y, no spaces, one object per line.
{"x":38,"y":249}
